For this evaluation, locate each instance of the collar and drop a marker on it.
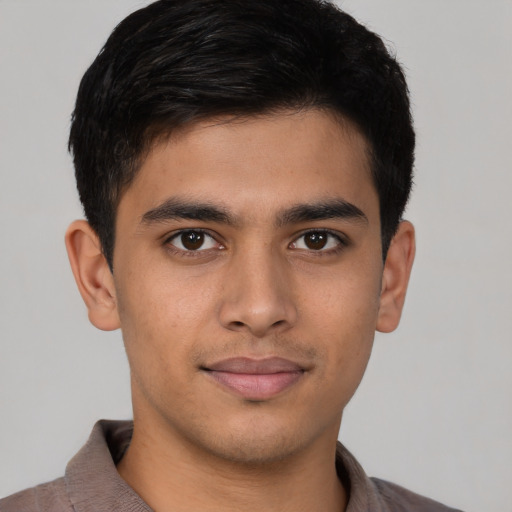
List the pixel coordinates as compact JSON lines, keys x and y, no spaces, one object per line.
{"x":93,"y":483}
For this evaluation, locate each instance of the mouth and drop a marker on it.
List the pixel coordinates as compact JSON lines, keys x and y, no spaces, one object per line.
{"x":255,"y":379}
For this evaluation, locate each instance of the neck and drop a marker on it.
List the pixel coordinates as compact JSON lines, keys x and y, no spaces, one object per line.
{"x":169,"y":474}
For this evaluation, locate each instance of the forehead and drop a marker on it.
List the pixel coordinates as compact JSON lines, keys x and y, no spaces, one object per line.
{"x":257,"y":164}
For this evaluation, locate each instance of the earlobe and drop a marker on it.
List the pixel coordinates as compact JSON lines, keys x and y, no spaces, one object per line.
{"x":395,"y":278}
{"x":92,"y":275}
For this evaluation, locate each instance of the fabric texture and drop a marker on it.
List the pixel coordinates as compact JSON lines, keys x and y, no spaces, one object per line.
{"x":92,"y":483}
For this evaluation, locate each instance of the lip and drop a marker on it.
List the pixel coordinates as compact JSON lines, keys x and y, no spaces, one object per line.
{"x":255,"y":379}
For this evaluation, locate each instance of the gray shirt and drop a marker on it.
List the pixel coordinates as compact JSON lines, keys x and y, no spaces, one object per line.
{"x":92,"y":483}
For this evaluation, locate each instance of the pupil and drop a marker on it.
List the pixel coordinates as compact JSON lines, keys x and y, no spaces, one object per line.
{"x":192,"y":240}
{"x":316,"y":240}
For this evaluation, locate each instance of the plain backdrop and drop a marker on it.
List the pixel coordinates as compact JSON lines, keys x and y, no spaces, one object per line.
{"x":434,"y":412}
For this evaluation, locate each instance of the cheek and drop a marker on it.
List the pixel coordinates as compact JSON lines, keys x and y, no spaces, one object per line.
{"x":344,"y":301}
{"x":153,"y":294}
{"x":163,"y":313}
{"x":350,"y":332}
{"x":343,"y":318}
{"x":155,"y":339}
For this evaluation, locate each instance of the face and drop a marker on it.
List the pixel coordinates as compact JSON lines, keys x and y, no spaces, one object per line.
{"x":247,"y":273}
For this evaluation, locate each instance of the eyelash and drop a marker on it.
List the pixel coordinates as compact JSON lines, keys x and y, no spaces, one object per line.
{"x":342,"y":243}
{"x":189,"y":253}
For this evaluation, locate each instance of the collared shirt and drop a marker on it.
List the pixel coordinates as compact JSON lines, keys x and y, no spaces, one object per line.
{"x":92,"y":483}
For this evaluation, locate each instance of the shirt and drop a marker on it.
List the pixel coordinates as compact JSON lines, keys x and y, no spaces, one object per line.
{"x":92,"y":483}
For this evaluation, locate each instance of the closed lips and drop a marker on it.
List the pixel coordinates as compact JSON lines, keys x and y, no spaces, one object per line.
{"x":255,"y":379}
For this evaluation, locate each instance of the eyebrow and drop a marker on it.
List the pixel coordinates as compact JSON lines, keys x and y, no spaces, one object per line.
{"x":329,"y":209}
{"x":175,"y":209}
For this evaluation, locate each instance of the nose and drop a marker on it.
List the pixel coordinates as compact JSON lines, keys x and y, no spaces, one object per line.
{"x":257,"y":295}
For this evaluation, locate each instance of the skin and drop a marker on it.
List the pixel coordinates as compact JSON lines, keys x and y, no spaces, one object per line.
{"x":256,"y":289}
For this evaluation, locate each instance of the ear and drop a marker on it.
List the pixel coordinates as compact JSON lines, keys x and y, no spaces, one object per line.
{"x":92,"y":275}
{"x":395,"y":277}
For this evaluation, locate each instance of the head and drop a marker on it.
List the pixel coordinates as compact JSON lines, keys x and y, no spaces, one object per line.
{"x":176,"y":63}
{"x":243,"y":167}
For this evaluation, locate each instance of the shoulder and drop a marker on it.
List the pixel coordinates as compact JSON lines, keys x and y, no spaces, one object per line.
{"x":399,"y":499}
{"x":48,"y":497}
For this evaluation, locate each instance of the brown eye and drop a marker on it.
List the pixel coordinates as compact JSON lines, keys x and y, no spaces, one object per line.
{"x":191,"y":240}
{"x":319,"y":241}
{"x":316,"y":241}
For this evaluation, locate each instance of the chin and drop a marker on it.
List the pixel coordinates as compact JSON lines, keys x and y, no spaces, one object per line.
{"x":257,"y":443}
{"x":255,"y":451}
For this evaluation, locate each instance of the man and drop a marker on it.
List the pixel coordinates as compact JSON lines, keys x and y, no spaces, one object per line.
{"x":243,"y":168}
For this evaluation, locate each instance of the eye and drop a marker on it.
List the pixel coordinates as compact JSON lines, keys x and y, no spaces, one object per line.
{"x":317,"y":241}
{"x":193,"y":240}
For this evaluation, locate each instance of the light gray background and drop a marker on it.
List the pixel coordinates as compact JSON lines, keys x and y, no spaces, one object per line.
{"x":434,"y":412}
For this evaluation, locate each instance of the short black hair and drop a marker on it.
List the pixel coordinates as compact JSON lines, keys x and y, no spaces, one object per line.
{"x":177,"y":62}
